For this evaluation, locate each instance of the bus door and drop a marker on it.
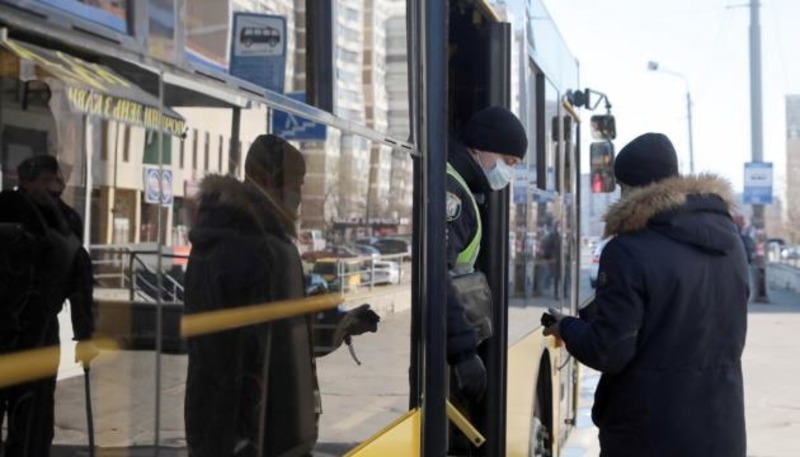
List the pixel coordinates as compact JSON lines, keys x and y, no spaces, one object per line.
{"x":479,"y":76}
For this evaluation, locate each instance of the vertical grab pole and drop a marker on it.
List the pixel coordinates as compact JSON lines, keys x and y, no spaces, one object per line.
{"x":433,"y":144}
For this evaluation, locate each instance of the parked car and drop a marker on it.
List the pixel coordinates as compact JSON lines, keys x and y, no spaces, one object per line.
{"x":386,"y":272}
{"x":337,"y":272}
{"x":316,"y":284}
{"x":389,"y":246}
{"x":366,"y":250}
{"x":790,"y":252}
{"x":333,"y":251}
{"x":595,"y":266}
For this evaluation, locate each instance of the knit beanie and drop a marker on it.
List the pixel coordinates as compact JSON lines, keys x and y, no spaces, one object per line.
{"x":497,"y":130}
{"x":647,"y":159}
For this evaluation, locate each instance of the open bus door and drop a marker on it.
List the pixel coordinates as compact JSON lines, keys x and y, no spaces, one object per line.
{"x":479,"y":74}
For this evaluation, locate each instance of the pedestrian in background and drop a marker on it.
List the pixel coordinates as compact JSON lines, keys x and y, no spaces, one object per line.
{"x":42,"y":264}
{"x":670,"y":313}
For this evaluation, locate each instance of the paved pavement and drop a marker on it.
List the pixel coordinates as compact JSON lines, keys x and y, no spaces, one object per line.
{"x":771,"y":365}
{"x":359,"y":400}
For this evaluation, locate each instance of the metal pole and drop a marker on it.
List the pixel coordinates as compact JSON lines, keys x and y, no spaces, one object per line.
{"x":691,"y":138}
{"x":234,"y":154}
{"x":756,"y":140}
{"x":433,"y":144}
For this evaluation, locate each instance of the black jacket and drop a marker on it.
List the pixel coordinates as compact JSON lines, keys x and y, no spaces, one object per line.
{"x":240,"y":256}
{"x":462,"y":222}
{"x":42,"y":263}
{"x":667,"y":326}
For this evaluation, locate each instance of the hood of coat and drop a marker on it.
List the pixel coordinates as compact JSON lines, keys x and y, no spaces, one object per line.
{"x":695,"y":210}
{"x":229,"y":207}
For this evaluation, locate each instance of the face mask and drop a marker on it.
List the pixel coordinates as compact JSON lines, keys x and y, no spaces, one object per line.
{"x":500,"y":175}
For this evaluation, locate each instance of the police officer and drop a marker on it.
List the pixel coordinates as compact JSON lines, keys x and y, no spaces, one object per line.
{"x":480,"y":160}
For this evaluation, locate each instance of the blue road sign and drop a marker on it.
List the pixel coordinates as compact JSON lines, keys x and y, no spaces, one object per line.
{"x":158,"y":183}
{"x":757,"y":183}
{"x":258,"y":49}
{"x":291,"y":127}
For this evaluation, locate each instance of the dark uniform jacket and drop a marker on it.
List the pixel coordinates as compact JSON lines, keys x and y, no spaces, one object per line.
{"x":42,"y":263}
{"x":462,"y":222}
{"x":667,"y":326}
{"x":242,"y":256}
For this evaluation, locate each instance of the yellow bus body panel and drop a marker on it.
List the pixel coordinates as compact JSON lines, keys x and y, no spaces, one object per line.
{"x":400,"y":438}
{"x":523,"y":366}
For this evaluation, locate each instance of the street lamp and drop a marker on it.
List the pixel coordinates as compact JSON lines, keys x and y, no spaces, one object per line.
{"x":653,"y":66}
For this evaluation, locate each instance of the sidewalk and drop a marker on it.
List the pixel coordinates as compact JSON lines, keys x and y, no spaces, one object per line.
{"x":771,"y":365}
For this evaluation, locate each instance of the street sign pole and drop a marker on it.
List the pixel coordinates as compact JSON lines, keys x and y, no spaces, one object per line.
{"x":757,"y":148}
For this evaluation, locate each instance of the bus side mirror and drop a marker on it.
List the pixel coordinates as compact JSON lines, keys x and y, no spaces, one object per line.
{"x":601,"y":155}
{"x":604,"y":127}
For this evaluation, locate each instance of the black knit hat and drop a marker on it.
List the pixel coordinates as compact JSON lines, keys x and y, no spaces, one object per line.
{"x":647,"y":159}
{"x":497,"y":130}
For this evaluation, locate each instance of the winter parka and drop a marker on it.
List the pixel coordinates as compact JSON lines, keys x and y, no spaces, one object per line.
{"x":242,"y":256}
{"x":667,"y":327}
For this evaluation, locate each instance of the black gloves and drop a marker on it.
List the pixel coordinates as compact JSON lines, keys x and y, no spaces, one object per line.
{"x":471,"y":377}
{"x":355,"y":322}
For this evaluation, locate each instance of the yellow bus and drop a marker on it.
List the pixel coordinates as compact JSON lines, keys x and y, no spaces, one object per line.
{"x":375,"y":156}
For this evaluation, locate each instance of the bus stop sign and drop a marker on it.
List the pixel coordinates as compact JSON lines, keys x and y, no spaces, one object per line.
{"x":258,"y":49}
{"x":757,"y":183}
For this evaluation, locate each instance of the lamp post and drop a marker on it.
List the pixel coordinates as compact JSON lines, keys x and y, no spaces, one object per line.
{"x":653,"y":66}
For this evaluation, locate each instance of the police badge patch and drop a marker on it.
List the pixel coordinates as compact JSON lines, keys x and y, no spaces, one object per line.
{"x":453,"y":207}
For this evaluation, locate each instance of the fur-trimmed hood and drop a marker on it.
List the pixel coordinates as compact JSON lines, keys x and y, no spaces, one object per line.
{"x":691,"y":209}
{"x":228,"y":206}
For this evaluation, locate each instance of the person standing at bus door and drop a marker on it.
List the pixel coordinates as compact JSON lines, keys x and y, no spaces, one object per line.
{"x":670,"y":313}
{"x":42,"y":264}
{"x":243,"y":254}
{"x":480,"y":160}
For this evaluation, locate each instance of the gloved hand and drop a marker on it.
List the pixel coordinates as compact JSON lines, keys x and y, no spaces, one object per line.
{"x":355,"y":322}
{"x":471,"y":377}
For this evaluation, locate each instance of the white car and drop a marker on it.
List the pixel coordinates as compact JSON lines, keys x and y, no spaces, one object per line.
{"x":386,"y":272}
{"x":595,"y":266}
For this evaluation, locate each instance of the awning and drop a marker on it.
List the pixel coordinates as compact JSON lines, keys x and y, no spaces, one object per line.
{"x":97,"y":90}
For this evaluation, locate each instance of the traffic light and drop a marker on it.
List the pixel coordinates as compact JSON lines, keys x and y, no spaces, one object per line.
{"x":604,"y":127}
{"x":601,"y":155}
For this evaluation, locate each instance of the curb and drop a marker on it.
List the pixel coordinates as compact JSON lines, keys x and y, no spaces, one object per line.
{"x":583,"y":440}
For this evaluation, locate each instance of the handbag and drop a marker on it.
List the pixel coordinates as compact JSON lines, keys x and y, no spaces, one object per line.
{"x":473,"y":292}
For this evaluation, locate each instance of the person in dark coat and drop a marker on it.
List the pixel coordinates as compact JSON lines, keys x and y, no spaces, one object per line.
{"x":42,"y":264}
{"x":480,"y":160}
{"x":669,"y":318}
{"x":243,"y":254}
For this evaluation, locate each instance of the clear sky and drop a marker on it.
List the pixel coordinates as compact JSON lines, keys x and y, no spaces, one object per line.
{"x":705,"y":40}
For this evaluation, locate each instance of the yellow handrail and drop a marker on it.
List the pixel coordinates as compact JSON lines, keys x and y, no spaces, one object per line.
{"x":228,"y":319}
{"x":32,"y":364}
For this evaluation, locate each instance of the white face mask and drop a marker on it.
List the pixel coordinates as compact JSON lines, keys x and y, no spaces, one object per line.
{"x":500,"y":175}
